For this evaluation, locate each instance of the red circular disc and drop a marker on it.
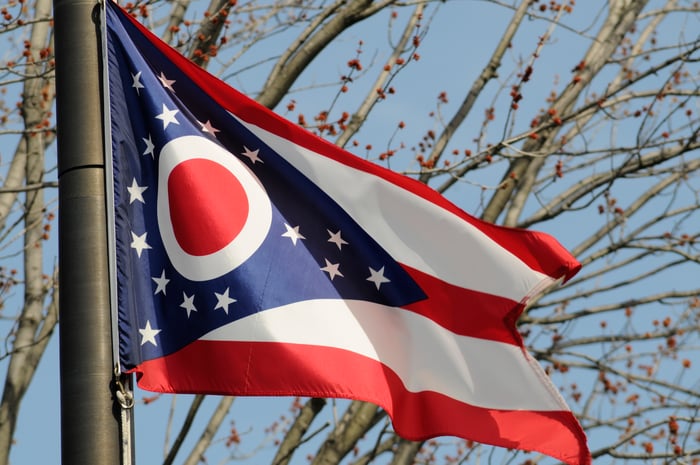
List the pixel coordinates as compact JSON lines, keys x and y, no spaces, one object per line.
{"x":208,"y":206}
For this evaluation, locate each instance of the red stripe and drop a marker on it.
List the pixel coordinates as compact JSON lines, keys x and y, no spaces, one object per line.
{"x":541,"y":252}
{"x":467,"y":312}
{"x":264,"y":369}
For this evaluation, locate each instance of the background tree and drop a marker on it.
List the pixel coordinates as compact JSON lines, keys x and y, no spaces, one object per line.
{"x":577,"y":119}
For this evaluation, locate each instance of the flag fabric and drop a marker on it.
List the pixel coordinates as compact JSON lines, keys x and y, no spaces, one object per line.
{"x":254,"y":258}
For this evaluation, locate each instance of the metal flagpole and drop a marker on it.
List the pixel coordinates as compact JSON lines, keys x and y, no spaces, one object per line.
{"x":89,"y":415}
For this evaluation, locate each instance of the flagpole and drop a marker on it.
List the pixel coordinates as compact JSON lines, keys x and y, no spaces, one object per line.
{"x":89,"y":415}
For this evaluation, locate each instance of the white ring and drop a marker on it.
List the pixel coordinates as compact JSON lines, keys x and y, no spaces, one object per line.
{"x":251,"y":236}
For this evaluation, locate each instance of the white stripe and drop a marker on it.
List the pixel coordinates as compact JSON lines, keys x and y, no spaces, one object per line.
{"x":413,"y":230}
{"x":426,"y":356}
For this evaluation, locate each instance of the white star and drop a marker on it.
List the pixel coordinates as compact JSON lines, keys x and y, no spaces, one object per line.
{"x":252,"y":155}
{"x":137,"y":82}
{"x":336,"y":239}
{"x":207,"y":127}
{"x":167,"y":83}
{"x":223,"y":301}
{"x":332,"y":269}
{"x":168,"y":116}
{"x":292,"y":233}
{"x":139,"y":243}
{"x":377,"y":277}
{"x":161,"y":283}
{"x":149,"y":334}
{"x":188,"y":304}
{"x":149,"y":146}
{"x":135,"y":192}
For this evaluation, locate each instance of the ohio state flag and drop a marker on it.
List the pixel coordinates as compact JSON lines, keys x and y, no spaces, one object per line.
{"x":254,"y":258}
